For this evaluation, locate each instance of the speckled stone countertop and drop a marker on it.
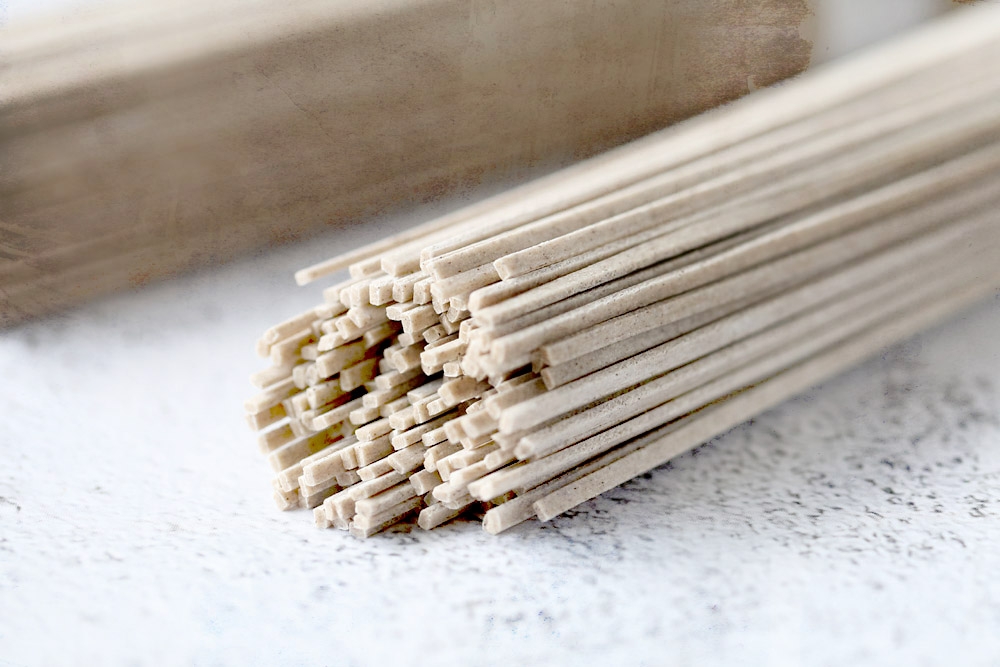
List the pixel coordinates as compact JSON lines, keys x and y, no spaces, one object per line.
{"x":856,"y":524}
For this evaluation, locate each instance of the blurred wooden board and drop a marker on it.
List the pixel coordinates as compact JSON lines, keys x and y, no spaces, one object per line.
{"x":148,"y":140}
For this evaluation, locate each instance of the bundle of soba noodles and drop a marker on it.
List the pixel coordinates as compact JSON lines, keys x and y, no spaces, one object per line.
{"x":536,"y":349}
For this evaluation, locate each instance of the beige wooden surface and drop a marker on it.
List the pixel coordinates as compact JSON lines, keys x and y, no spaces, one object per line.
{"x":144,"y":141}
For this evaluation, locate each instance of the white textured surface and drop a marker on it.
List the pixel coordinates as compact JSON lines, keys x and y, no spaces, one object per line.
{"x":857,"y":524}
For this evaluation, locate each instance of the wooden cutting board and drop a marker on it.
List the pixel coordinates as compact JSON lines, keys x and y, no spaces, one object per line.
{"x":144,"y":140}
